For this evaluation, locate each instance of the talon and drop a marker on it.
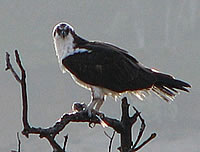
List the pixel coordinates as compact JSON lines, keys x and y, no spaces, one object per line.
{"x":78,"y":106}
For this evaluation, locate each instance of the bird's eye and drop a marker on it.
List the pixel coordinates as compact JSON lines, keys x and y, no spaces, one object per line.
{"x":62,"y":30}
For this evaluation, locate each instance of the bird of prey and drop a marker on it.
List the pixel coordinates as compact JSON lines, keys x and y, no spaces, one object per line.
{"x":107,"y":70}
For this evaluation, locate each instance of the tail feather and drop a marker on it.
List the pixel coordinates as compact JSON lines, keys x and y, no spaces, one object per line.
{"x":162,"y":94}
{"x":167,"y":91}
{"x":167,"y":86}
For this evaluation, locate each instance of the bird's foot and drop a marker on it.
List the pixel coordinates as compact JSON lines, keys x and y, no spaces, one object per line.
{"x":77,"y":106}
{"x":93,"y":112}
{"x":90,"y":111}
{"x":100,"y":116}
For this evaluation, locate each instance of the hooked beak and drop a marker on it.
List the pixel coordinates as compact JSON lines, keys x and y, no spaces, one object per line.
{"x":63,"y":33}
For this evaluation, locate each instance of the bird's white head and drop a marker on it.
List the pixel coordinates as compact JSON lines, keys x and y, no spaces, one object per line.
{"x":62,"y":30}
{"x":63,"y":41}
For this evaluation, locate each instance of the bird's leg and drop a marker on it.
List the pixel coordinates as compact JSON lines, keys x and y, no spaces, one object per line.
{"x":99,"y":104}
{"x":96,"y":101}
{"x":91,"y":106}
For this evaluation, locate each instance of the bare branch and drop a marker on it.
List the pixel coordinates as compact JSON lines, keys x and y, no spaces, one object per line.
{"x":142,"y":128}
{"x":50,"y":132}
{"x":18,"y":61}
{"x":123,"y":126}
{"x":153,"y":135}
{"x":19,"y":144}
{"x":126,"y":134}
{"x":22,"y":81}
{"x":65,"y":142}
{"x":9,"y":67}
{"x":111,"y":140}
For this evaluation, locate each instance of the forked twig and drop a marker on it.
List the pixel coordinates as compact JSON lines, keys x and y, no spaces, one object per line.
{"x":153,"y":135}
{"x":111,"y":140}
{"x":65,"y":142}
{"x":9,"y":67}
{"x":142,"y":128}
{"x":27,"y":129}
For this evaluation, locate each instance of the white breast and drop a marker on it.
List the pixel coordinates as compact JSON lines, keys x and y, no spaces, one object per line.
{"x":63,"y":48}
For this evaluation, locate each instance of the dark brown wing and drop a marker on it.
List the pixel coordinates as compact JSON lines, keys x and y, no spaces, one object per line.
{"x":107,"y":66}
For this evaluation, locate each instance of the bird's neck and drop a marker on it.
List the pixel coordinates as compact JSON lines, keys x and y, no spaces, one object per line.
{"x":64,"y":47}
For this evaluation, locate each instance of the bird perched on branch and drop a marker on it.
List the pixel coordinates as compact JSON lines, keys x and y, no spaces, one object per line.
{"x":107,"y":70}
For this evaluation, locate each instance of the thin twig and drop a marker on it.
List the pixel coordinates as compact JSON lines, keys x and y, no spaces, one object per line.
{"x":142,"y":128}
{"x":153,"y":135}
{"x":9,"y":67}
{"x":24,"y":92}
{"x":18,"y":61}
{"x":19,"y":142}
{"x":111,"y":140}
{"x":65,"y":142}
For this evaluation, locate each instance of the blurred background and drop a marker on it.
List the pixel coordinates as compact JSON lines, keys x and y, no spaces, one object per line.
{"x":161,"y":34}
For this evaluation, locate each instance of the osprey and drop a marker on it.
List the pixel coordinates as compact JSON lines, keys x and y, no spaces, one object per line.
{"x":107,"y":70}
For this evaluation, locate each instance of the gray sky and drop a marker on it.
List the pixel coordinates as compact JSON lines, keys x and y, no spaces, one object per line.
{"x":161,"y":34}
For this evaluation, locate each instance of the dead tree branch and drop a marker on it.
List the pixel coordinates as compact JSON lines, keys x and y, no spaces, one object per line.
{"x":122,"y":127}
{"x":153,"y":135}
{"x":19,"y":144}
{"x":142,"y":128}
{"x":111,"y":140}
{"x":65,"y":142}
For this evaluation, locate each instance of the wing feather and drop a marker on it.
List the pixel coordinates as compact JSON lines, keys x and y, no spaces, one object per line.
{"x":109,"y":67}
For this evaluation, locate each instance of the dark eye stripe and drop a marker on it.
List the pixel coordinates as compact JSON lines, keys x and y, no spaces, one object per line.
{"x":67,"y":30}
